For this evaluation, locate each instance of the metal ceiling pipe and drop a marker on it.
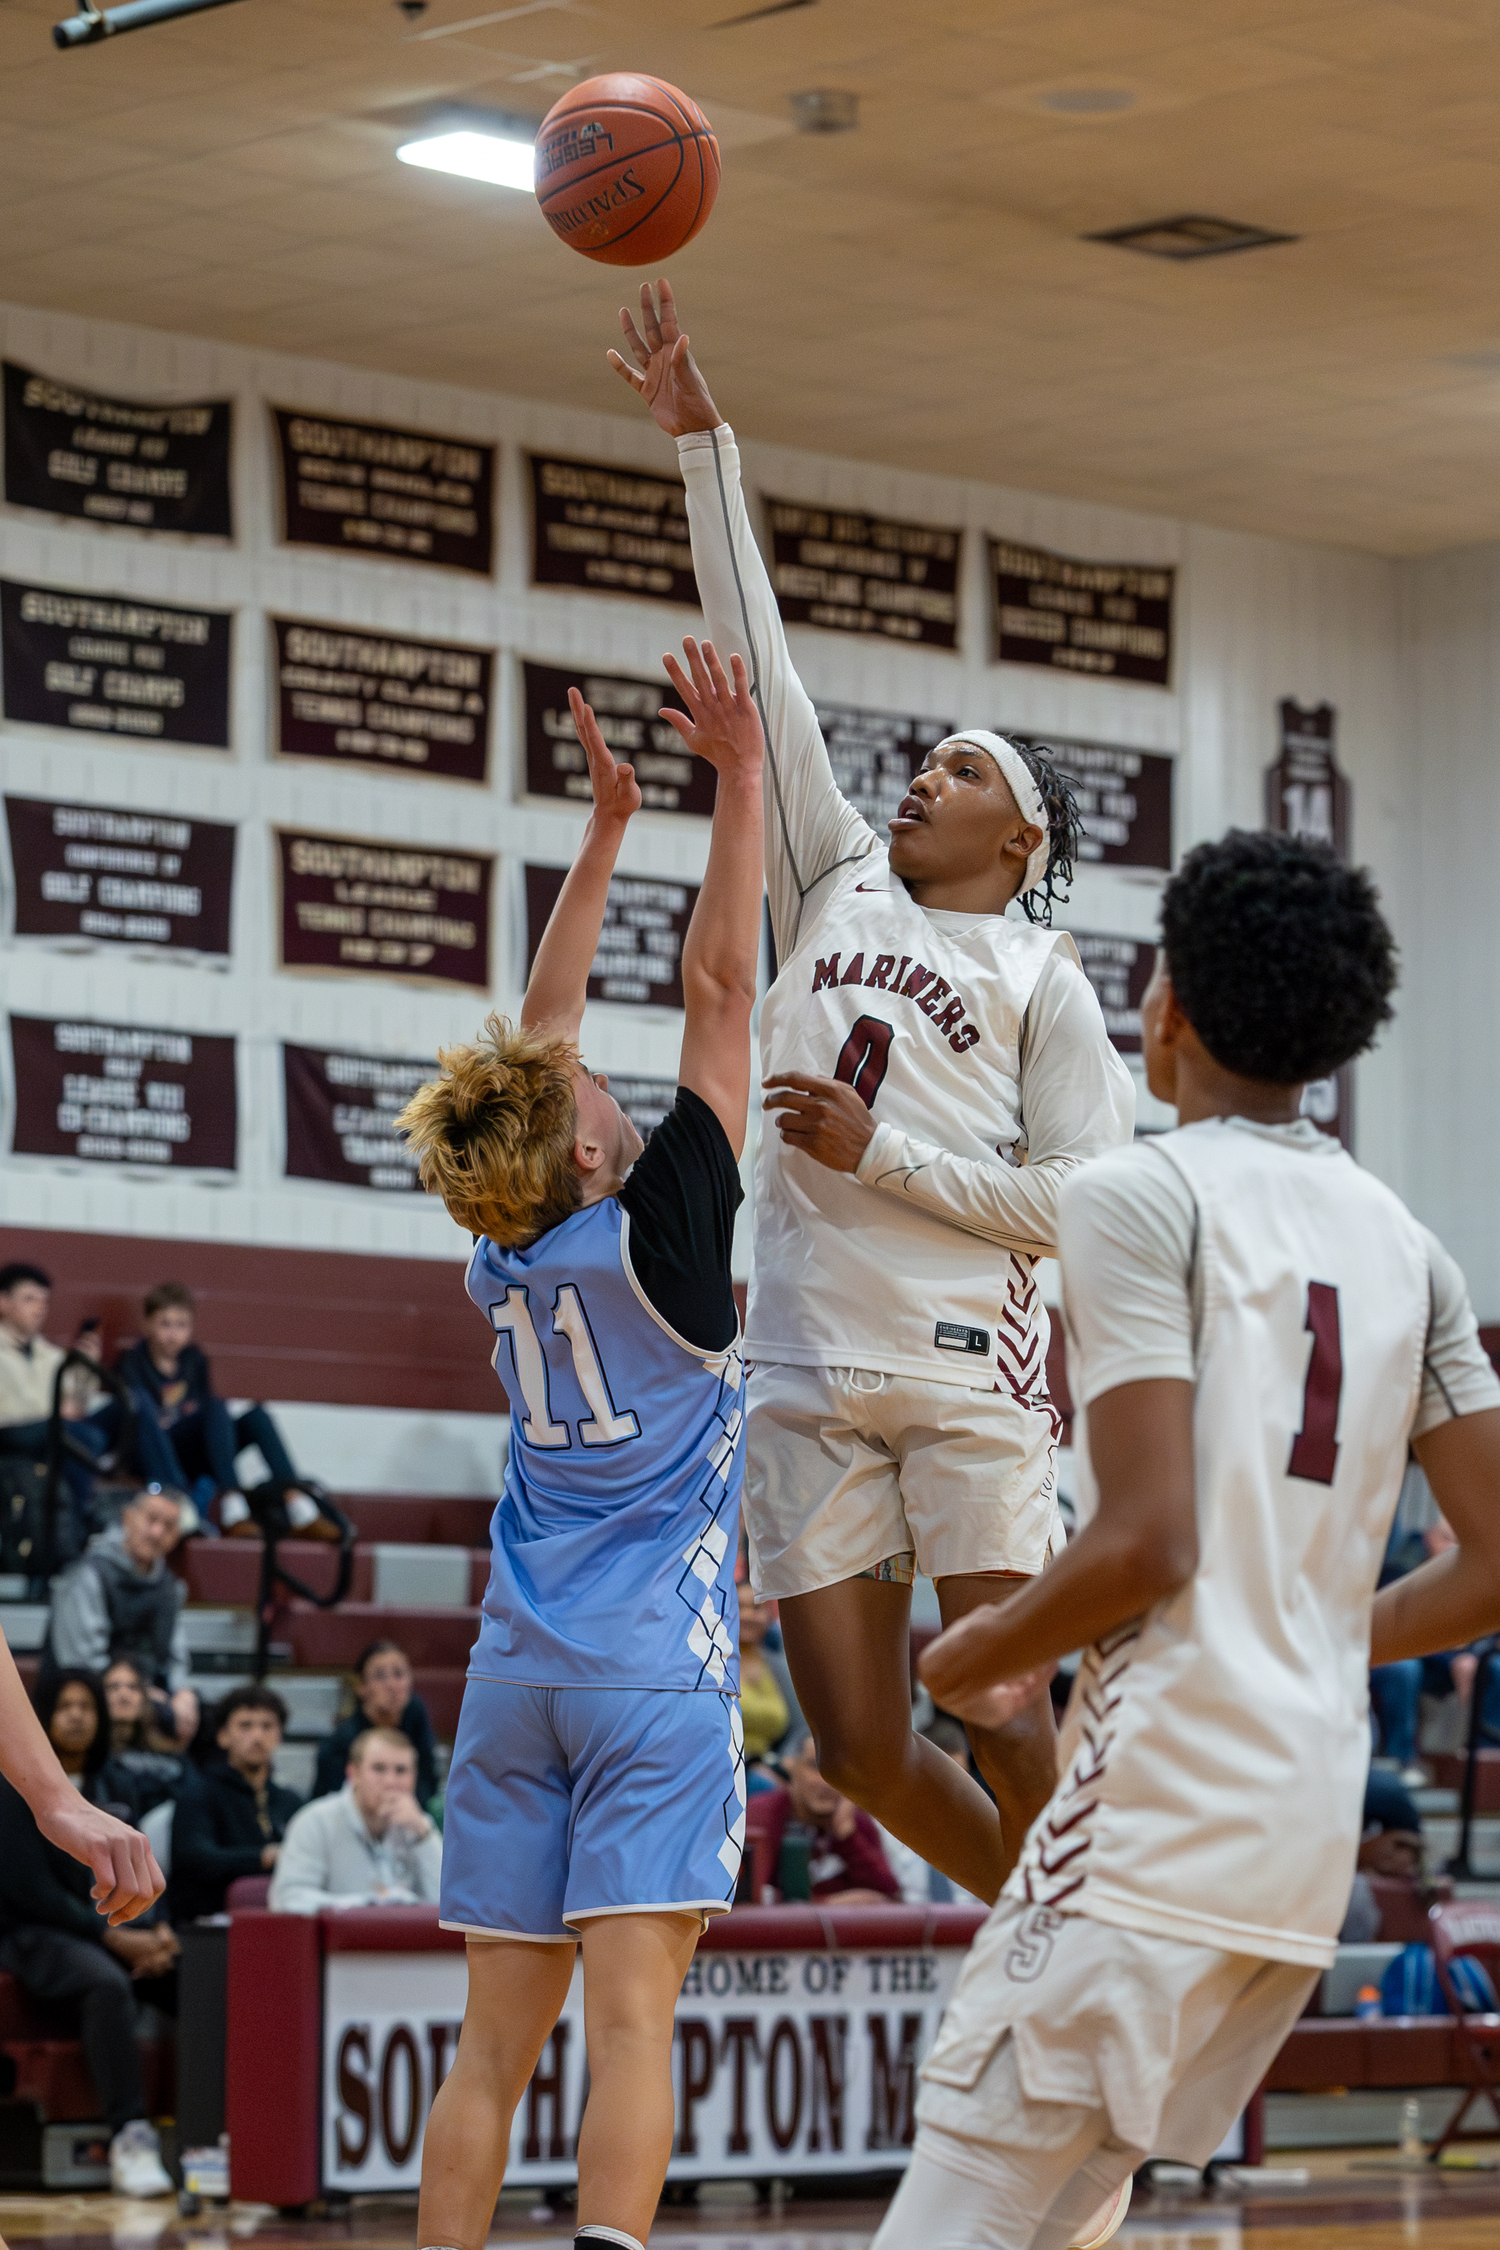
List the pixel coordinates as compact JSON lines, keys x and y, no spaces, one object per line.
{"x":94,"y":23}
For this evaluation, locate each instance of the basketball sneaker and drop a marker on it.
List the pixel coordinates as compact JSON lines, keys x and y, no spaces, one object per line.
{"x":1106,"y":2221}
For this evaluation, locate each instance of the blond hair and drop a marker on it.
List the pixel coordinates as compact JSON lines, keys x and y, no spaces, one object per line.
{"x":391,"y":1737}
{"x":494,"y":1135}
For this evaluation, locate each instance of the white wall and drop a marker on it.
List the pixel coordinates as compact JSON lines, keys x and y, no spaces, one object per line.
{"x":1258,"y":619}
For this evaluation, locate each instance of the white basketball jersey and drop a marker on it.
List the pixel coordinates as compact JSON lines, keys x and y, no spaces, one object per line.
{"x":1214,"y":1755}
{"x":922,"y":1015}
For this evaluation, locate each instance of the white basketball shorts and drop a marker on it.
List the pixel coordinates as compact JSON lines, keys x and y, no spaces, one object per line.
{"x":846,"y":1467}
{"x":1070,"y":2052}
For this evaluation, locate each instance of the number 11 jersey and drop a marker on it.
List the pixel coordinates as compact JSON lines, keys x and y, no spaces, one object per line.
{"x":615,"y":1539}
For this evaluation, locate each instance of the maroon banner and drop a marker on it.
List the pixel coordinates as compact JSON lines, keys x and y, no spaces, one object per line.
{"x":110,"y":664}
{"x":639,"y":958}
{"x":1124,"y":798}
{"x":385,"y":909}
{"x":135,"y":878}
{"x":368,"y":699}
{"x":370,"y":490}
{"x":671,"y":778}
{"x":855,"y":573}
{"x":119,"y":1094}
{"x":1119,"y":969}
{"x":874,"y":755}
{"x":614,"y":530}
{"x":341,"y":1113}
{"x":1307,"y":795}
{"x":1114,"y":619}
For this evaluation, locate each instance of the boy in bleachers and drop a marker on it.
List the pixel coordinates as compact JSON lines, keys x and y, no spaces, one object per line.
{"x":597,"y":1793}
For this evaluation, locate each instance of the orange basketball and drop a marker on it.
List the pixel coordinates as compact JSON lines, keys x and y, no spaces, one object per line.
{"x":627,"y":169}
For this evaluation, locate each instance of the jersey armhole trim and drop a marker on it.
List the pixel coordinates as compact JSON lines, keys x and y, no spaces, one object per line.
{"x":479,"y":1243}
{"x":1428,"y":1366}
{"x":705,"y":1354}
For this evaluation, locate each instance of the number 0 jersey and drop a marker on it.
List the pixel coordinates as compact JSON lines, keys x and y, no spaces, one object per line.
{"x":975,"y":1039}
{"x":615,"y":1538}
{"x":1214,"y":1755}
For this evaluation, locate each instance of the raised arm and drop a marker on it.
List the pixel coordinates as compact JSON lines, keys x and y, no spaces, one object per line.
{"x":722,"y":947}
{"x":811,"y":829}
{"x":558,"y":984}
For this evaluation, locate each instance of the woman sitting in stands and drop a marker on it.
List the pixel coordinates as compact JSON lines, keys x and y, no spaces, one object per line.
{"x":385,"y":1697}
{"x":141,"y":1747}
{"x":61,"y":1952}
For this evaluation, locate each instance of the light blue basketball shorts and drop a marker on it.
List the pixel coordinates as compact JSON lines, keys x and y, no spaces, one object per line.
{"x":564,"y":1803}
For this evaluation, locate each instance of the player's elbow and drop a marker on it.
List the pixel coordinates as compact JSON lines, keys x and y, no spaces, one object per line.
{"x":1159,"y":1558}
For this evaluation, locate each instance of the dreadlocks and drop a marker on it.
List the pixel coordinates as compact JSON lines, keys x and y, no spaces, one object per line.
{"x":1064,"y":832}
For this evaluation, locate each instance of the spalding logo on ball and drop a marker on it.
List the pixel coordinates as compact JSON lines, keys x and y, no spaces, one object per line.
{"x":627,"y":169}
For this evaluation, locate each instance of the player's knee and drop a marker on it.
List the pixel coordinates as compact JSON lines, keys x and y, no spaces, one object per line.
{"x":860,"y":1767}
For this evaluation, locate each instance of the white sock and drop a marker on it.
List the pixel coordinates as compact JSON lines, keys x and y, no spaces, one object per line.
{"x":607,"y":2234}
{"x":233,"y":1508}
{"x":301,"y":1511}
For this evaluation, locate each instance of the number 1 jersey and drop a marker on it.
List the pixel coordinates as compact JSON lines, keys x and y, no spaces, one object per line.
{"x":615,"y":1538}
{"x":1214,"y":1755}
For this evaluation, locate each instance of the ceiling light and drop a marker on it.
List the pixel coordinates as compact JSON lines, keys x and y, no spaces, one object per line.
{"x":499,"y":159}
{"x":1191,"y":236}
{"x":1087,"y":101}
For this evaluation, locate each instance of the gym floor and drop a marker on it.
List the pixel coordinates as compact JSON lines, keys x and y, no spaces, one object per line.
{"x":1327,"y":2200}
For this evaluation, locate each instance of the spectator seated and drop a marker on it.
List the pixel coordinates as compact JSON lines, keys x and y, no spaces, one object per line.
{"x":28,"y":1379}
{"x":768,"y":1701}
{"x":142,"y":1735}
{"x":371,"y":1845}
{"x":845,"y":1865}
{"x":231,"y":1816}
{"x":185,"y":1434}
{"x":385,"y":1697}
{"x":120,"y":1599}
{"x":68,"y":1962}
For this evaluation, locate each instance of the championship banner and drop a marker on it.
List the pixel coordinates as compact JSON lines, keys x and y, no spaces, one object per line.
{"x":645,"y":1101}
{"x":874,"y":755}
{"x":117,"y":1094}
{"x":1307,"y":795}
{"x":783,"y":2064}
{"x":368,"y":490}
{"x":157,"y":468}
{"x":385,"y":909}
{"x":611,"y":530}
{"x":341,"y":1113}
{"x":133,"y":878}
{"x":369,"y":699}
{"x":1124,"y":798}
{"x":1114,"y":619}
{"x":110,"y":664}
{"x":639,"y":957}
{"x":671,"y":778}
{"x":1119,"y":969}
{"x":855,"y":573}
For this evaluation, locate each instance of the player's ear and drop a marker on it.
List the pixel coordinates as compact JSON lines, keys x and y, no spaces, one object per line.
{"x":588,"y":1154}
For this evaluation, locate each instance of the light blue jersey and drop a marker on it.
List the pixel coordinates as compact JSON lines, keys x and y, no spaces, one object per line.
{"x":615,"y":1538}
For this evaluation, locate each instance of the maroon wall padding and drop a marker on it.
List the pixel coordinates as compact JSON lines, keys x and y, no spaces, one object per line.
{"x":1379,"y":2051}
{"x":410,"y":1519}
{"x":442,"y":1690}
{"x":273,"y":2064}
{"x":328,"y":1326}
{"x":328,"y":1640}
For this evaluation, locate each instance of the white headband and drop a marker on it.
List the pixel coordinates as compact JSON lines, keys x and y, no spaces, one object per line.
{"x":1022,"y":787}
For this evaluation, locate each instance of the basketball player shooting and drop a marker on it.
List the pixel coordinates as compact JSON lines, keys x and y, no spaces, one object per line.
{"x":1257,"y":1329}
{"x":597,"y":1792}
{"x":936,"y":1069}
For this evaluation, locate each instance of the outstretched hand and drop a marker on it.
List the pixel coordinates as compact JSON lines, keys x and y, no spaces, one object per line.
{"x":665,"y":373}
{"x":617,"y":793}
{"x":126,"y":1877}
{"x":722,"y":723}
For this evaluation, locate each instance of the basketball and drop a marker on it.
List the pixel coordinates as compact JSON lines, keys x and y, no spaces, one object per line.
{"x":627,"y":169}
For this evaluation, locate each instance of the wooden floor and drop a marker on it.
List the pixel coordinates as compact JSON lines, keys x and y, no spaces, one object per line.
{"x":1326,"y":2201}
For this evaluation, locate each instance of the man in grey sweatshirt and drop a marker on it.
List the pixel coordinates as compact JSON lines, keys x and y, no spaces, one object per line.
{"x":371,"y":1845}
{"x":120,"y":1599}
